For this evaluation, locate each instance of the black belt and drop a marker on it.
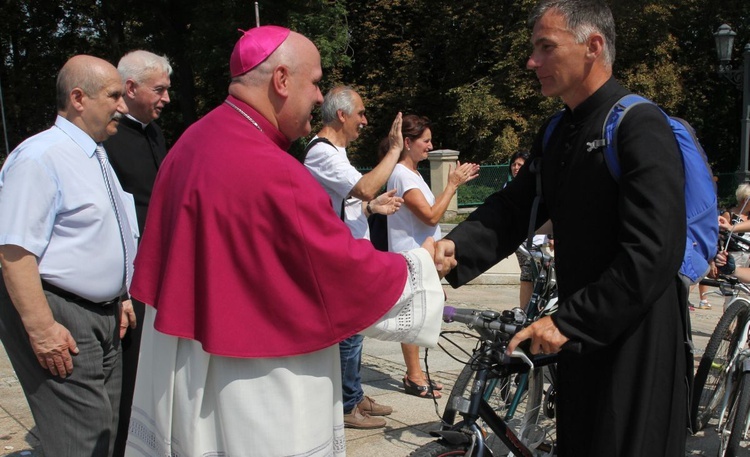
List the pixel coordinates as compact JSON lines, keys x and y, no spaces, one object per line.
{"x":70,"y":296}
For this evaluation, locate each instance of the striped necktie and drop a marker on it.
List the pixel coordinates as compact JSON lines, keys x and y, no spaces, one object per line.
{"x":128,"y":243}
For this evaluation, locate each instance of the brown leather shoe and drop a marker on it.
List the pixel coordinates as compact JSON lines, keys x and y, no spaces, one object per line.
{"x":356,"y":419}
{"x":369,"y":406}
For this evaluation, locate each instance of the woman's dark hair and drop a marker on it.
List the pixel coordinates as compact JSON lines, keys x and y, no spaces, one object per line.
{"x":519,"y":155}
{"x":413,"y":126}
{"x":383,"y":147}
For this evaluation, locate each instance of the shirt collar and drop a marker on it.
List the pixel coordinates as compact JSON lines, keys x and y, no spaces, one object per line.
{"x":81,"y":138}
{"x":597,"y":99}
{"x":143,"y":126}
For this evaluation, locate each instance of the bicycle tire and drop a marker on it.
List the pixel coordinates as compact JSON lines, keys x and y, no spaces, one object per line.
{"x":738,"y":419}
{"x":501,"y":390}
{"x":534,"y":429}
{"x":709,"y":385}
{"x":439,"y":448}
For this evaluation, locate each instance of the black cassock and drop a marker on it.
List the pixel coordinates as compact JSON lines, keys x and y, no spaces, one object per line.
{"x":618,"y":247}
{"x":135,"y":154}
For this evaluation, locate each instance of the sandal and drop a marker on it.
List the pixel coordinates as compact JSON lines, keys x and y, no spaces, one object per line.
{"x":435,"y":385}
{"x":417,"y":390}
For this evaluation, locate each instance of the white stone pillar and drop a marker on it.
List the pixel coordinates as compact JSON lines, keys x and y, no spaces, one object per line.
{"x":441,"y":162}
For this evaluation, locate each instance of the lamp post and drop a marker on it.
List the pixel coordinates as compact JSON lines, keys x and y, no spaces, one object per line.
{"x":724,"y":38}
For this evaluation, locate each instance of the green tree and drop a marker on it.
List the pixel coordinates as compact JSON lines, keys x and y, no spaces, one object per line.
{"x":463,"y":64}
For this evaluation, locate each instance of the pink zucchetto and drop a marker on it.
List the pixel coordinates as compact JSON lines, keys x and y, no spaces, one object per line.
{"x":254,"y":46}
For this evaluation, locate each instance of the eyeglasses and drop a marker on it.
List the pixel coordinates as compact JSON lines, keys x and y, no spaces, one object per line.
{"x":160,"y":90}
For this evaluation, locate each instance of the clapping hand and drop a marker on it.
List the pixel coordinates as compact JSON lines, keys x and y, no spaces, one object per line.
{"x":463,"y":173}
{"x":386,"y":203}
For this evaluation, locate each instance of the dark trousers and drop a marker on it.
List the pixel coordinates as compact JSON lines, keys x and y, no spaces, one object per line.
{"x":76,"y":416}
{"x":131,"y":345}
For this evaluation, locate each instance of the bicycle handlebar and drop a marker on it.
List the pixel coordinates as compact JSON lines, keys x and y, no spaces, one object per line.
{"x":474,"y":318}
{"x":536,"y":252}
{"x":739,"y":239}
{"x":711,"y":282}
{"x":490,"y":320}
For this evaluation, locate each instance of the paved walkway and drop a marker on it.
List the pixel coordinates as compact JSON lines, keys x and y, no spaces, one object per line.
{"x":383,"y":369}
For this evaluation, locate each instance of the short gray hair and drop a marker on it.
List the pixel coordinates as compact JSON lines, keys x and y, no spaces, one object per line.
{"x":583,"y":18}
{"x":742,"y":193}
{"x":338,"y":98}
{"x":139,"y":65}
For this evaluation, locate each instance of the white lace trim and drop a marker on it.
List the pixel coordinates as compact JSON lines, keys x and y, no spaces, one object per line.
{"x":415,"y":318}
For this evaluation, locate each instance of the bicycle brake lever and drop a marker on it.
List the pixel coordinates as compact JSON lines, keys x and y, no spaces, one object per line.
{"x":520,"y":354}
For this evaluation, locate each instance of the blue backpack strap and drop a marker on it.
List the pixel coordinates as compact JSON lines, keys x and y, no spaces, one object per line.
{"x":551,"y":126}
{"x":609,"y":131}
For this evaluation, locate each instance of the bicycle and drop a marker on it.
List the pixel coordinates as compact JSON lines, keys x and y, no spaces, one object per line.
{"x":506,"y":394}
{"x":720,"y":383}
{"x":709,"y":377}
{"x":495,"y":374}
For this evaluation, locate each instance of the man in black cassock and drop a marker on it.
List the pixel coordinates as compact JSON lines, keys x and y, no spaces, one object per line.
{"x":618,"y":248}
{"x":136,"y":152}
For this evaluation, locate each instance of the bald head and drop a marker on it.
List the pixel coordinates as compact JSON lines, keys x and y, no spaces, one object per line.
{"x":284,"y":87}
{"x":84,"y":72}
{"x":89,"y":94}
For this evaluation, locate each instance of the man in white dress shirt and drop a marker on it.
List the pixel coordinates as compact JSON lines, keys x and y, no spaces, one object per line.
{"x":353,"y":196}
{"x":66,"y":259}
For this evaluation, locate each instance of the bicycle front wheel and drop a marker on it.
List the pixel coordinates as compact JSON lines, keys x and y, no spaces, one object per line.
{"x":515,"y":398}
{"x":709,"y":383}
{"x":736,"y":424}
{"x":440,"y":449}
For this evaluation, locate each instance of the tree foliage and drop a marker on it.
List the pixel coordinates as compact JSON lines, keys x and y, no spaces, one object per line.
{"x":462,"y":64}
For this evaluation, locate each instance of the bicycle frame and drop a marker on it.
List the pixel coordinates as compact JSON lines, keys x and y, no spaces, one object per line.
{"x":477,"y":406}
{"x":493,"y":364}
{"x":543,"y":302}
{"x":735,"y":366}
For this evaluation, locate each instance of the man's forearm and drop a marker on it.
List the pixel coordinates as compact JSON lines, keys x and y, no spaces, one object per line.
{"x":21,"y":275}
{"x":368,"y":187}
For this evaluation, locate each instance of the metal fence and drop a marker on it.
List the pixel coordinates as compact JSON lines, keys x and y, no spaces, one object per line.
{"x":493,"y":177}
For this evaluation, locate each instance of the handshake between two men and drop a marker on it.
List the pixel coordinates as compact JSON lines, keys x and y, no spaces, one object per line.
{"x":443,"y":253}
{"x":544,"y":334}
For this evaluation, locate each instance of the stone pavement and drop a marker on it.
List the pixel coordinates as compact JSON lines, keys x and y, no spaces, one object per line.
{"x":382,"y":370}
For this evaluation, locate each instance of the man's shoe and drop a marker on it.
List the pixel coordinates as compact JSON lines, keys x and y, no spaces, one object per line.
{"x":369,"y":406}
{"x":704,"y":304}
{"x":356,"y":419}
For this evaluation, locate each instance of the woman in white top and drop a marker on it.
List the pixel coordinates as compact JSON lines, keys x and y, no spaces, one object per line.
{"x":418,"y":219}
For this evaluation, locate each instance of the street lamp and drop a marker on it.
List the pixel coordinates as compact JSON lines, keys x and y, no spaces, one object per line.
{"x":724,"y":38}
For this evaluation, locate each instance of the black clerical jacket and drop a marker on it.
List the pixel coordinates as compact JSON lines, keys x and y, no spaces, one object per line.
{"x":618,"y":248}
{"x":136,"y":154}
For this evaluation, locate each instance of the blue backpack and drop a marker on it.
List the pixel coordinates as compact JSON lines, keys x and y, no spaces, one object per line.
{"x":700,"y":188}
